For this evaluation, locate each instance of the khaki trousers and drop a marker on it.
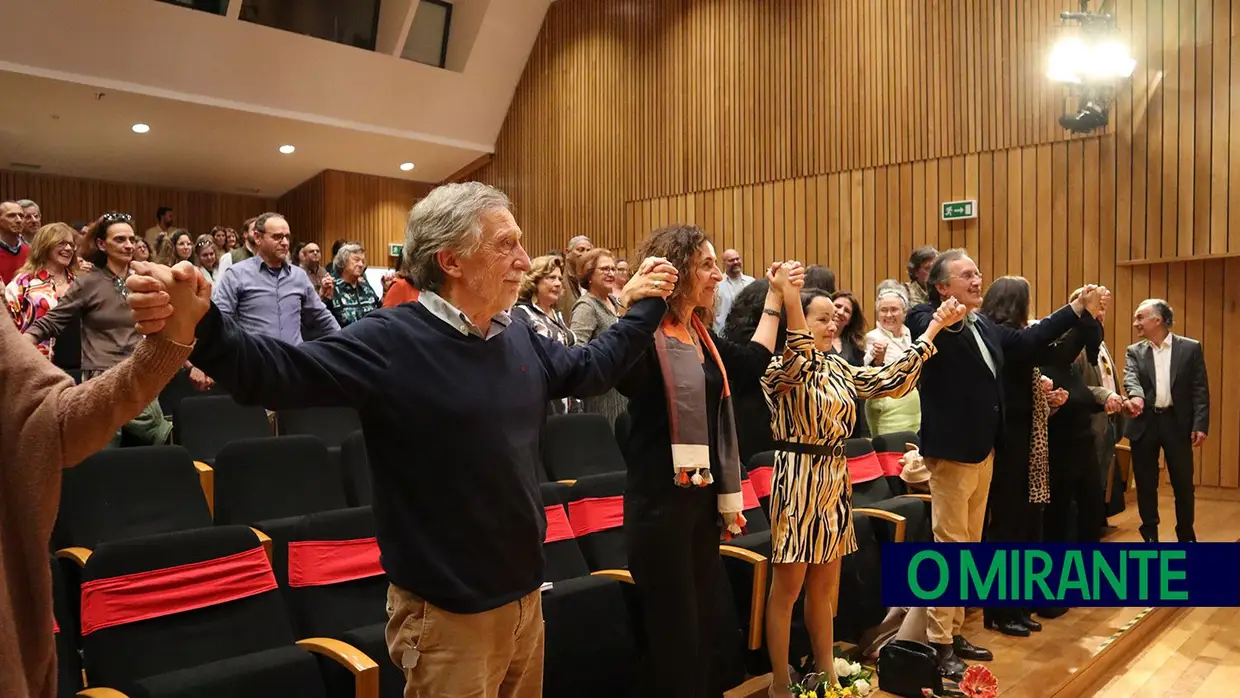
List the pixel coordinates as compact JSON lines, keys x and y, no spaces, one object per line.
{"x":494,"y":654}
{"x":959,"y":491}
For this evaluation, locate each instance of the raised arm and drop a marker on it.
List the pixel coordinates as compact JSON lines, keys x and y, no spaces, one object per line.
{"x":78,"y":419}
{"x":593,"y":368}
{"x":895,"y":379}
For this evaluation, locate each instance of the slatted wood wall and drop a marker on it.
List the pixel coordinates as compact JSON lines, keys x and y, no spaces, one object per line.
{"x":70,"y":199}
{"x":363,"y":208}
{"x":832,"y":131}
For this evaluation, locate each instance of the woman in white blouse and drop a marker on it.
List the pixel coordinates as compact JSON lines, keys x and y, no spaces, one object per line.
{"x":884,"y":345}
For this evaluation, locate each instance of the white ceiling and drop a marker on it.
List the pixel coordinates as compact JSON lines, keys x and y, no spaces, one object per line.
{"x":66,"y":129}
{"x":221,"y":95}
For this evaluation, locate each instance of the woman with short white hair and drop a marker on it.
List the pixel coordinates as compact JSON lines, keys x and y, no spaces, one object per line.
{"x":352,"y":296}
{"x":885,"y":344}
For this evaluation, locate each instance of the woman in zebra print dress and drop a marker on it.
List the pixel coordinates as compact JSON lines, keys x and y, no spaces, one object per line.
{"x":812,"y":395}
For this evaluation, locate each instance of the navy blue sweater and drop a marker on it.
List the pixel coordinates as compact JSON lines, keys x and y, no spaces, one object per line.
{"x":452,"y":426}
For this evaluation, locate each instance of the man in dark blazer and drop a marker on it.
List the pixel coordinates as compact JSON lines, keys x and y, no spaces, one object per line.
{"x":1169,"y":408}
{"x":962,"y":418}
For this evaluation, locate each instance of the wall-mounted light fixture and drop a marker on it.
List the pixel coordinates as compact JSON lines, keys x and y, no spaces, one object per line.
{"x":1091,"y":61}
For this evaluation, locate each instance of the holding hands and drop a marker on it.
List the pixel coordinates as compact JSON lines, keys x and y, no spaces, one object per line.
{"x":655,"y":278}
{"x":787,"y":278}
{"x":948,"y":313}
{"x":167,"y":300}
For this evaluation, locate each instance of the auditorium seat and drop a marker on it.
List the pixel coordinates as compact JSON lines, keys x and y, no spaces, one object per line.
{"x":578,"y":445}
{"x":177,"y":390}
{"x":327,"y":565}
{"x":205,"y":424}
{"x":761,"y":469}
{"x":623,"y":427}
{"x":890,"y":448}
{"x":332,"y":425}
{"x":355,"y":468}
{"x":590,"y":646}
{"x":274,"y":478}
{"x":64,"y":629}
{"x":197,"y":614}
{"x":124,"y":493}
{"x":870,"y":489}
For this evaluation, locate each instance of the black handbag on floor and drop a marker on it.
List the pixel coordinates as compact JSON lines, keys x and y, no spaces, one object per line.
{"x":905,"y":667}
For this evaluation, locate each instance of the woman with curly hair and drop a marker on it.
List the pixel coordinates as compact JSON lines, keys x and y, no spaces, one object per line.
{"x":48,"y":273}
{"x":541,"y":287}
{"x":683,"y":487}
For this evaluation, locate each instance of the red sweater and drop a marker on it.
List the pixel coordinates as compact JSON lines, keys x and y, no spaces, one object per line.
{"x":10,"y":263}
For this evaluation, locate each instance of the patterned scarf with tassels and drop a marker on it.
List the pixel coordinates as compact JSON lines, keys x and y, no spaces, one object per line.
{"x":685,"y":384}
{"x":1039,"y":459}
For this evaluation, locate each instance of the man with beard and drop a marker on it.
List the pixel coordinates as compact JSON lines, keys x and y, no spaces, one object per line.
{"x":734,"y":280}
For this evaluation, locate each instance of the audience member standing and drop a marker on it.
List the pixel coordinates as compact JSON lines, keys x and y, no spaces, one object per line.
{"x":849,"y":343}
{"x":265,"y":295}
{"x":311,"y":260}
{"x":541,"y":287}
{"x":48,"y":273}
{"x":734,"y":281}
{"x":32,"y":218}
{"x":918,"y":269}
{"x":1099,"y":372}
{"x":141,"y":251}
{"x":821,"y":278}
{"x":1169,"y":406}
{"x":244,"y":251}
{"x":886,"y":344}
{"x":594,"y":312}
{"x":98,"y":298}
{"x":13,"y":248}
{"x":449,"y":379}
{"x":206,"y":257}
{"x":577,"y":248}
{"x":962,"y":419}
{"x":165,"y":221}
{"x":176,"y":247}
{"x":353,"y":297}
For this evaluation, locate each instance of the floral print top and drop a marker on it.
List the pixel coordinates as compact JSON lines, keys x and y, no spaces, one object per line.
{"x":29,"y":296}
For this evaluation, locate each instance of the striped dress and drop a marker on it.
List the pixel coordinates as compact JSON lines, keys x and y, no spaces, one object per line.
{"x":813,"y":396}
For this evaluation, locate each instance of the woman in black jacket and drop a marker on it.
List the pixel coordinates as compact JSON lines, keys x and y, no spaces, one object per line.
{"x":1075,"y":477}
{"x":1019,"y":489}
{"x":683,"y":488}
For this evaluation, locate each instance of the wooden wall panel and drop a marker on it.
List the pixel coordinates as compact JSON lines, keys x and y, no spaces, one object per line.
{"x":71,"y":199}
{"x":362,"y":208}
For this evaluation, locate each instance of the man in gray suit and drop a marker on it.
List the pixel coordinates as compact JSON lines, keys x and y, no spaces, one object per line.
{"x":1169,"y":405}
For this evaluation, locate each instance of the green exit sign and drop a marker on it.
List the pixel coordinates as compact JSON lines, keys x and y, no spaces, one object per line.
{"x":395,"y":249}
{"x":959,"y":210}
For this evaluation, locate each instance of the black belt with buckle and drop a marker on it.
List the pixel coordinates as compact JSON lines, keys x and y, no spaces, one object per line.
{"x":830,"y":449}
{"x":1162,"y":410}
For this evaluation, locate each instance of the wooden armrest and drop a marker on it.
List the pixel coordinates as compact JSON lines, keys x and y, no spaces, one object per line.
{"x":206,"y":478}
{"x":265,"y":540}
{"x":570,"y":483}
{"x":757,"y":591}
{"x":78,"y":555}
{"x":923,"y":497}
{"x":365,"y":670}
{"x":100,"y":693}
{"x":896,"y":519}
{"x":618,"y":575}
{"x":1123,"y":446}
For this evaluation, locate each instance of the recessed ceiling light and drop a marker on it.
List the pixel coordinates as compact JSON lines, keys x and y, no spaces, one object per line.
{"x":406,"y":166}
{"x":287,"y":149}
{"x":140,"y":128}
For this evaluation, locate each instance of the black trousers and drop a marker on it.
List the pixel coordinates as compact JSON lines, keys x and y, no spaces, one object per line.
{"x":1012,"y":518}
{"x":673,"y":548}
{"x":1163,"y":431}
{"x":1075,"y":513}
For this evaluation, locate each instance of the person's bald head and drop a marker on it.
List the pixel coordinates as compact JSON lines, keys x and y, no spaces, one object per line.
{"x":732,"y":263}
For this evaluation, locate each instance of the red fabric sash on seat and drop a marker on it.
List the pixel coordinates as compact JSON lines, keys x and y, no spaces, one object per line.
{"x":145,"y":595}
{"x":749,"y":496}
{"x":761,"y":479}
{"x":55,"y":626}
{"x":316,"y":563}
{"x":596,"y":514}
{"x":558,"y":527}
{"x":890,"y":463}
{"x":864,"y":468}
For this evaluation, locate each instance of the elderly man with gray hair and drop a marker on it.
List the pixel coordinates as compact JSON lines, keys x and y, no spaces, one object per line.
{"x":32,"y":218}
{"x":353,"y":297}
{"x":577,"y":248}
{"x":452,"y":396}
{"x":1169,"y":405}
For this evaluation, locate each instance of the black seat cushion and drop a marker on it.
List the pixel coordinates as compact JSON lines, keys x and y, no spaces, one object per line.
{"x":284,"y":671}
{"x":129,"y":492}
{"x":275,"y":477}
{"x":204,"y":424}
{"x":579,"y":445}
{"x":590,"y":646}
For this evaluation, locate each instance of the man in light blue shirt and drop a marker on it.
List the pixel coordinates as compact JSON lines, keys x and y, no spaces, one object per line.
{"x":734,"y":281}
{"x":266,"y":295}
